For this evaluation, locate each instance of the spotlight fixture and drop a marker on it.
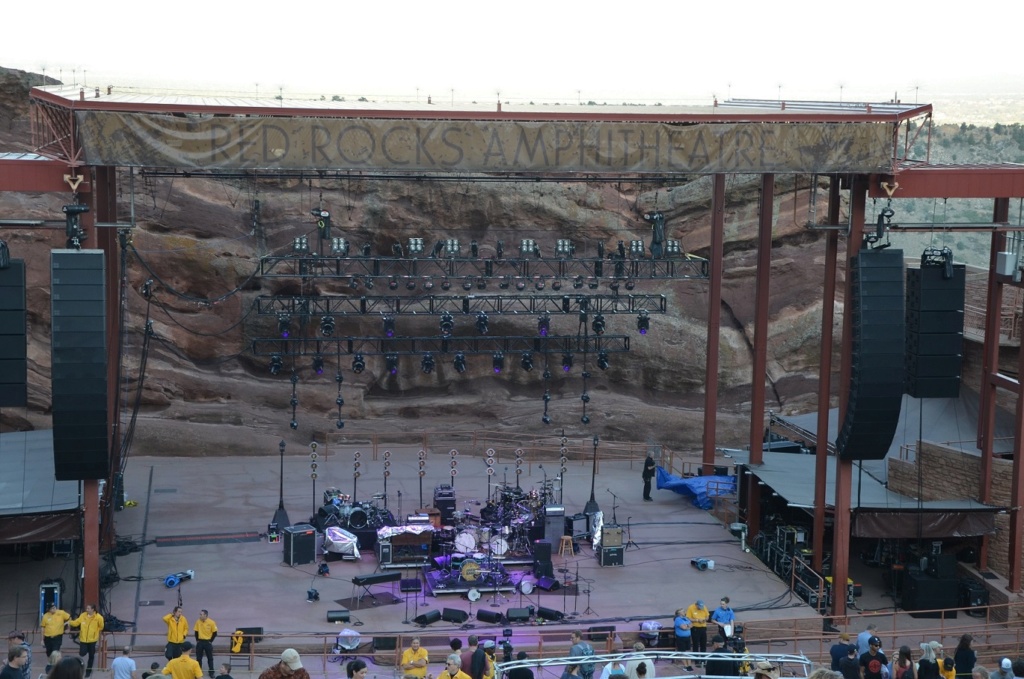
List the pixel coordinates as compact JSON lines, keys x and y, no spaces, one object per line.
{"x":467,"y":283}
{"x":410,"y":284}
{"x":567,"y":361}
{"x":527,"y":247}
{"x":339,"y":246}
{"x":396,"y":250}
{"x":499,"y":248}
{"x":673,"y":247}
{"x":427,"y":364}
{"x":630,"y":284}
{"x":392,"y":283}
{"x":556,"y":284}
{"x":318,"y":364}
{"x":597,"y":325}
{"x":577,"y":282}
{"x":460,"y":362}
{"x":447,"y":324}
{"x":526,"y":360}
{"x":592,"y":283}
{"x":602,"y":360}
{"x":293,"y":424}
{"x":643,"y":322}
{"x":276,"y":363}
{"x":481,"y":323}
{"x":368,"y":282}
{"x":367,"y":250}
{"x":389,"y":326}
{"x":474,"y":249}
{"x":564,"y":248}
{"x":428,"y":283}
{"x":327,"y":326}
{"x":415,"y":246}
{"x":358,"y":363}
{"x":446,"y":284}
{"x":544,"y":325}
{"x":391,"y":361}
{"x":539,"y":283}
{"x":452,"y":248}
{"x":284,"y":322}
{"x":498,"y":362}
{"x":300,"y":244}
{"x":636,"y":249}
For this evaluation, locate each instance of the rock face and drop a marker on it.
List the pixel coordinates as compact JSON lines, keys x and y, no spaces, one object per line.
{"x":203,"y":392}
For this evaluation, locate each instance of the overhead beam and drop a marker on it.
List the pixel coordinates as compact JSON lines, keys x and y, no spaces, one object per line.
{"x":952,"y":181}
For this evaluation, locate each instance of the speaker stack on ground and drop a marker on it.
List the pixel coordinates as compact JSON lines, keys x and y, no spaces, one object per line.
{"x":13,"y":340}
{"x":935,"y":326}
{"x":444,"y":500}
{"x":554,"y":523}
{"x":299,"y":544}
{"x":78,"y":352}
{"x":542,"y":566}
{"x":878,"y":356}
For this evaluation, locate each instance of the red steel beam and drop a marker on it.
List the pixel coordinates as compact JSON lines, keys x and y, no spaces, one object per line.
{"x":34,"y":176}
{"x":762,"y":301}
{"x":1017,"y":491}
{"x":956,"y":181}
{"x":716,"y":259}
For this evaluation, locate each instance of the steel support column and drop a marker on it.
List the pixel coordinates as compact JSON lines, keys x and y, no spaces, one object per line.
{"x":844,"y":468}
{"x":762,"y":300}
{"x":716,"y":258}
{"x":990,"y":369}
{"x":828,"y":303}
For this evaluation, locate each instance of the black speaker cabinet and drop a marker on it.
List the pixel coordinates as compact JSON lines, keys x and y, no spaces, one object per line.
{"x":518,"y":615}
{"x":384,"y":554}
{"x":942,"y":566}
{"x":428,"y":618}
{"x":410,"y":585}
{"x":456,"y":615}
{"x":13,"y":338}
{"x":549,"y":613}
{"x":878,"y":365}
{"x":610,"y":556}
{"x":78,"y":353}
{"x":600,"y":632}
{"x":484,"y":615}
{"x":340,"y":615}
{"x":922,"y":592}
{"x":935,"y":324}
{"x":250,"y":636}
{"x":299,"y":544}
{"x":385,"y":643}
{"x":542,"y":550}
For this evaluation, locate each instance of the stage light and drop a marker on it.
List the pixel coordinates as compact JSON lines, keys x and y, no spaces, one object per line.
{"x":339,"y":246}
{"x":392,"y":283}
{"x":673,"y":247}
{"x":556,"y":284}
{"x":460,"y":362}
{"x":358,"y":363}
{"x":318,"y":364}
{"x":504,"y":282}
{"x":602,"y":360}
{"x":389,"y":326}
{"x":620,"y":268}
{"x":630,"y":284}
{"x":498,"y":362}
{"x":636,"y":249}
{"x":592,"y":283}
{"x":415,"y":246}
{"x":474,"y":249}
{"x":467,"y":283}
{"x":300,"y":244}
{"x":481,"y":283}
{"x":544,"y":325}
{"x":643,"y":322}
{"x":499,"y":247}
{"x":567,"y":361}
{"x":368,"y":282}
{"x":276,"y":363}
{"x":284,"y":324}
{"x":396,"y":250}
{"x":428,"y":283}
{"x":539,"y":283}
{"x":520,"y":284}
{"x":293,"y":424}
{"x":447,"y":324}
{"x":481,"y":323}
{"x":577,"y":282}
{"x":427,"y":364}
{"x":526,"y":360}
{"x":327,"y":326}
{"x":446,"y":284}
{"x":410,"y":284}
{"x":452,"y":248}
{"x":564,"y":248}
{"x":597,"y":325}
{"x":391,"y":361}
{"x":367,"y":250}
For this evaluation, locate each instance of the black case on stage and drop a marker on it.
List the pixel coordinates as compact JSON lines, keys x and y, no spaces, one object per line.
{"x":610,"y":556}
{"x":299,"y":544}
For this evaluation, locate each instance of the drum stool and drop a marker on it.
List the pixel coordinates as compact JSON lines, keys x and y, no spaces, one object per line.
{"x":565,"y":545}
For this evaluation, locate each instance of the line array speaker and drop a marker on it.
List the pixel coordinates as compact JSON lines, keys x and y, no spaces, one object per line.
{"x":13,"y":339}
{"x":428,"y":618}
{"x":81,"y":439}
{"x":877,"y":369}
{"x":456,"y":615}
{"x":935,"y":330}
{"x":484,"y":615}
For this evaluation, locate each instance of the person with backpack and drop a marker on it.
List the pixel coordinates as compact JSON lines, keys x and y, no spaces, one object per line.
{"x":581,"y":649}
{"x":904,"y":667}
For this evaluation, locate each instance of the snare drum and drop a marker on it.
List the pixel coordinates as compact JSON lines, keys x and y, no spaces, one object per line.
{"x":485,"y":534}
{"x":465,"y":541}
{"x":499,"y":546}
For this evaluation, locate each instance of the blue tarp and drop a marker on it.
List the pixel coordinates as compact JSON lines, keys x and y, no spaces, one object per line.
{"x":697,"y":486}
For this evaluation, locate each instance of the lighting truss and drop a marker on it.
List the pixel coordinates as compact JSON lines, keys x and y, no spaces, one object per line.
{"x":572,"y":303}
{"x":418,"y":346}
{"x":675,"y":265}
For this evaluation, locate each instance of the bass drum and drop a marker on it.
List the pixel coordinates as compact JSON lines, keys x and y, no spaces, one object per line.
{"x":358,"y":519}
{"x":470,"y":570}
{"x":499,"y":546}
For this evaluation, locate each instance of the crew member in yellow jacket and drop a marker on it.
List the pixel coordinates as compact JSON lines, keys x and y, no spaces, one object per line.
{"x":90,"y":625}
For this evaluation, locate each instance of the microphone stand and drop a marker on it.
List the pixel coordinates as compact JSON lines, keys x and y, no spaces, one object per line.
{"x":615,"y":498}
{"x":399,"y":503}
{"x":629,"y":534}
{"x":576,"y":601}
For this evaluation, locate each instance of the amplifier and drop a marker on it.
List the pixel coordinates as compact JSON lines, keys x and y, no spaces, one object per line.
{"x":610,"y":556}
{"x":611,"y":536}
{"x":384,"y":555}
{"x":299,"y":544}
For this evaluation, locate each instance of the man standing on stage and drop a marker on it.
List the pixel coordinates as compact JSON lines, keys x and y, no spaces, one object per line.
{"x":90,"y":624}
{"x":177,"y":632}
{"x":205,"y":631}
{"x":648,"y":474}
{"x":53,"y":623}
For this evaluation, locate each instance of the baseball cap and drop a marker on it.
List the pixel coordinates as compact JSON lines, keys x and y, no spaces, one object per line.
{"x":186,"y":645}
{"x":488,"y":643}
{"x":291,"y":658}
{"x":1006,"y":664}
{"x":875,"y":641}
{"x":766,"y":669}
{"x":700,"y":603}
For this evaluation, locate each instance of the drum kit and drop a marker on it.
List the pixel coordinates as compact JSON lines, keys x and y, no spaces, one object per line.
{"x":341,"y":511}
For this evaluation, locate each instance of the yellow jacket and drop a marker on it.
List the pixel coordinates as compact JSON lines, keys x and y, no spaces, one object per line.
{"x":91,"y":626}
{"x":177,"y":630}
{"x":183,"y":667}
{"x":205,"y":629}
{"x":698,"y":616}
{"x":53,"y":623}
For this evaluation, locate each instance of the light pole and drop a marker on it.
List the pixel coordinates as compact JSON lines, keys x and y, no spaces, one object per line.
{"x":281,"y":516}
{"x":591,"y":507}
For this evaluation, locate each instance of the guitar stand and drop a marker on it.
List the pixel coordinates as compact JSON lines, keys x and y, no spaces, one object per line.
{"x":629,"y":535}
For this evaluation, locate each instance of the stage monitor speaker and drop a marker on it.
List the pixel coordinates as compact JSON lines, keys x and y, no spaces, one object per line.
{"x":611,"y":556}
{"x":600,"y":632}
{"x":548,"y":583}
{"x":13,"y":337}
{"x":878,"y":360}
{"x":385,"y":643}
{"x":428,"y":618}
{"x":410,"y":585}
{"x":611,"y":536}
{"x":484,"y":615}
{"x":935,"y":324}
{"x":456,"y":615}
{"x":549,"y":614}
{"x":78,"y":354}
{"x":517,"y":615}
{"x":340,"y":615}
{"x":541,"y":550}
{"x":299,"y":544}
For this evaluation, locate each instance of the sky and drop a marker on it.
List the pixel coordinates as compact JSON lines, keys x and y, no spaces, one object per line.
{"x":641,"y":51}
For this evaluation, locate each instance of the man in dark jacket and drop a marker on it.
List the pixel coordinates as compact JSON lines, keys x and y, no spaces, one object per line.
{"x":720,"y":666}
{"x":849,"y":666}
